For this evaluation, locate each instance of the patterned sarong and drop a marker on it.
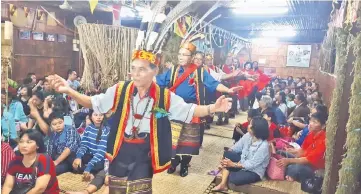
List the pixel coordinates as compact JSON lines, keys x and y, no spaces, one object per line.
{"x":189,"y":140}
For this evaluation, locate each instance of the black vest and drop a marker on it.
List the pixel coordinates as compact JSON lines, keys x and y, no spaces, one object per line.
{"x":160,"y":129}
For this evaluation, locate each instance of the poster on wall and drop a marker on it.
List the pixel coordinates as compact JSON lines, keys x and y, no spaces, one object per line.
{"x":298,"y":55}
{"x":38,"y":36}
{"x":61,"y":38}
{"x":24,"y":35}
{"x":50,"y":37}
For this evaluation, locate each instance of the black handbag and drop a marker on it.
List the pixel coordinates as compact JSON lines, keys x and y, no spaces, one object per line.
{"x":23,"y":188}
{"x":312,"y":185}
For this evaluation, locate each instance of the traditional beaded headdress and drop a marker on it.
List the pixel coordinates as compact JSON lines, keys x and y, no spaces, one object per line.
{"x":154,"y":29}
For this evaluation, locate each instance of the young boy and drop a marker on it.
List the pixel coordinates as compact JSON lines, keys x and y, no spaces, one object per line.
{"x":269,"y":115}
{"x":241,"y":129}
{"x":63,"y":143}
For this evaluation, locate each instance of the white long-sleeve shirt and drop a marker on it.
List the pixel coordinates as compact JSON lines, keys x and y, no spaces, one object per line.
{"x":179,"y":110}
{"x":216,"y":75}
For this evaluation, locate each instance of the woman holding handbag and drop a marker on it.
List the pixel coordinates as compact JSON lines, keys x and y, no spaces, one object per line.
{"x":247,"y":160}
{"x":32,"y":172}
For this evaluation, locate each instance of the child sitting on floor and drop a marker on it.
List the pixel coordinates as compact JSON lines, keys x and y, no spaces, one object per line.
{"x":63,"y":143}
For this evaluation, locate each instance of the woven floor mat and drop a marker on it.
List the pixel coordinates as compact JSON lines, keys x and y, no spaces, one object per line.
{"x":73,"y":182}
{"x":197,"y":182}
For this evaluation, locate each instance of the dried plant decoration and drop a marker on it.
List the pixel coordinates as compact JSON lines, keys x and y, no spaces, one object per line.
{"x":107,"y":52}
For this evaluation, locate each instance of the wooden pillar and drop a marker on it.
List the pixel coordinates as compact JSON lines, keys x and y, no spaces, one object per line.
{"x":342,"y":121}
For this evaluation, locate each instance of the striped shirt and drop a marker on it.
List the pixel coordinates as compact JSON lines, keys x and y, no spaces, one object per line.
{"x":89,"y":143}
{"x":7,"y":154}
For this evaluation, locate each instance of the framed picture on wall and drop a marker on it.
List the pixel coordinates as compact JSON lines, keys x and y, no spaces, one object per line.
{"x":50,"y":37}
{"x":61,"y":38}
{"x":24,"y":34}
{"x":38,"y":36}
{"x":298,"y":55}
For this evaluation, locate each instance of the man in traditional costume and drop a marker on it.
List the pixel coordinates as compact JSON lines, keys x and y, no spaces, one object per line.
{"x":140,"y":141}
{"x":188,"y":81}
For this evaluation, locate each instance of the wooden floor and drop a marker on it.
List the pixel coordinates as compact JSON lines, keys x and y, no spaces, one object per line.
{"x":197,"y":182}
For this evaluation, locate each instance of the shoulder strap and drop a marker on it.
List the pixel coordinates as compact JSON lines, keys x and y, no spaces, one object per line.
{"x":183,"y":77}
{"x":34,"y":173}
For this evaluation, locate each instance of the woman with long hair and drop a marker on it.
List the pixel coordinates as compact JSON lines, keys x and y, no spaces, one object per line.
{"x":281,"y":102}
{"x":25,"y":94}
{"x":90,"y":155}
{"x":15,"y":107}
{"x":33,"y":171}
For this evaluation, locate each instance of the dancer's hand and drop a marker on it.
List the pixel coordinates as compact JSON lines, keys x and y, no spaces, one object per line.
{"x":222,"y":104}
{"x":234,"y":89}
{"x":58,"y":83}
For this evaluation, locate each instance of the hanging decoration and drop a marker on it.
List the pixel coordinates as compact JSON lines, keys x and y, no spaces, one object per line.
{"x":117,"y":42}
{"x":12,"y":9}
{"x":93,"y":4}
{"x":182,"y":25}
{"x":40,"y":14}
{"x":26,"y":10}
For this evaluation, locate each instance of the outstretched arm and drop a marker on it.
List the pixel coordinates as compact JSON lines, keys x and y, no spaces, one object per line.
{"x":181,"y":111}
{"x":61,"y":85}
{"x":82,"y":99}
{"x":100,"y":103}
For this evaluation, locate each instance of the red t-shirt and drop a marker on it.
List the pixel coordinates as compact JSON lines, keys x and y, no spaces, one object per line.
{"x":272,"y":129}
{"x":45,"y":166}
{"x":286,"y":131}
{"x":314,"y":148}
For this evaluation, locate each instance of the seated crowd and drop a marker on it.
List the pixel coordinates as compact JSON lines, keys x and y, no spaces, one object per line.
{"x":282,"y":139}
{"x":45,"y":134}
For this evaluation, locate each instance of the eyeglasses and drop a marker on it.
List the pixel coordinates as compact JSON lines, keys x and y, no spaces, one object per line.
{"x":183,"y":55}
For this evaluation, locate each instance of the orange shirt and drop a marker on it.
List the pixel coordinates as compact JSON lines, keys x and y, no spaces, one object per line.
{"x":314,"y":148}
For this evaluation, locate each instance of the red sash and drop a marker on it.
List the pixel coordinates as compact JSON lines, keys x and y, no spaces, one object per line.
{"x":183,"y":77}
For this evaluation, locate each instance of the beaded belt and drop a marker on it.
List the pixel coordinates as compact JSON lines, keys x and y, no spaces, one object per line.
{"x":121,"y":185}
